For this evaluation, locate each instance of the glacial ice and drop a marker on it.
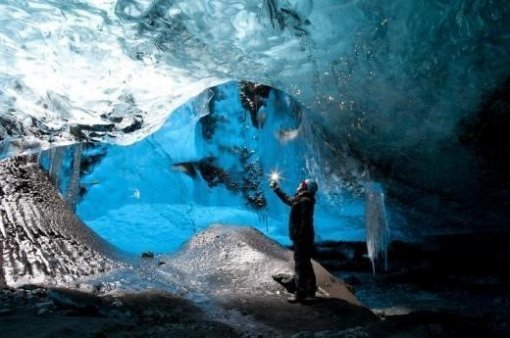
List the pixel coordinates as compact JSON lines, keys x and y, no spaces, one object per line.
{"x":380,"y":73}
{"x":383,"y":86}
{"x":377,"y":228}
{"x":156,"y":192}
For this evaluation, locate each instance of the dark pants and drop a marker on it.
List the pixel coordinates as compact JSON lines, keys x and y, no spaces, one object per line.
{"x":304,"y":275}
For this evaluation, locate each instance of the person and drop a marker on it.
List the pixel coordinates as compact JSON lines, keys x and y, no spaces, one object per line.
{"x":302,"y":233}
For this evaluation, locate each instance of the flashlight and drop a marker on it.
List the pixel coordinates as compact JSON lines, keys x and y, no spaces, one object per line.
{"x":275,"y":176}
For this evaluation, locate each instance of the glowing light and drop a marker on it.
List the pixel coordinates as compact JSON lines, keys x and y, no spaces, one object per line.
{"x":275,"y":176}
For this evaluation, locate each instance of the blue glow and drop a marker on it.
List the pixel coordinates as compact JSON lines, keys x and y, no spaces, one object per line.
{"x":387,"y":83}
{"x":140,"y":199}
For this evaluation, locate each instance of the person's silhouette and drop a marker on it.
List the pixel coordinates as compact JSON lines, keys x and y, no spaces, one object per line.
{"x":301,"y":231}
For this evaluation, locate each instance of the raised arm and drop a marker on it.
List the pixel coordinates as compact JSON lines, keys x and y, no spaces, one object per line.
{"x":283,"y":196}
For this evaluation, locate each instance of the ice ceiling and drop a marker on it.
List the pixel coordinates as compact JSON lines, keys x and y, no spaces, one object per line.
{"x":387,"y":85}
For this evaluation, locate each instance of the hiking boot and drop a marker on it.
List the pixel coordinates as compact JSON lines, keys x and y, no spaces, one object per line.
{"x":295,"y":298}
{"x":311,"y":293}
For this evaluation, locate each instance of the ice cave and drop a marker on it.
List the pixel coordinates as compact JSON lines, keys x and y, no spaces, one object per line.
{"x":139,"y":141}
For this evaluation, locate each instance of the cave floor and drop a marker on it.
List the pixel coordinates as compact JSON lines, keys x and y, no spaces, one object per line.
{"x":479,"y":300}
{"x":403,"y":310}
{"x":430,"y":295}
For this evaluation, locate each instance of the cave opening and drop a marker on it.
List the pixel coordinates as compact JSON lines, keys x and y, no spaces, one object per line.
{"x":208,"y":163}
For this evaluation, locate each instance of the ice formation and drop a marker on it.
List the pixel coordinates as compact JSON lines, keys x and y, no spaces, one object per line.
{"x":378,"y":231}
{"x":384,"y":89}
{"x":114,"y":70}
{"x":41,"y":239}
{"x":209,"y":163}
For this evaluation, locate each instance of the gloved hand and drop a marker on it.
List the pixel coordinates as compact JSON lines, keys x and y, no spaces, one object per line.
{"x":273,"y":184}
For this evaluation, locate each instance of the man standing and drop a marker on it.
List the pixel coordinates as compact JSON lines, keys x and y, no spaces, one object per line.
{"x":302,"y":234}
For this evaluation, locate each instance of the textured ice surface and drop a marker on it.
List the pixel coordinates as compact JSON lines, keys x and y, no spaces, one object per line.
{"x":398,"y":74}
{"x":41,"y":240}
{"x":238,"y":261}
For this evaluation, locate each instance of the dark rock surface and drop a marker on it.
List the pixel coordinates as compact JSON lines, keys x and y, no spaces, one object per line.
{"x":45,"y":312}
{"x":225,"y":260}
{"x":454,"y":257}
{"x":448,"y":286}
{"x":228,"y":274}
{"x":231,"y":267}
{"x":31,"y":311}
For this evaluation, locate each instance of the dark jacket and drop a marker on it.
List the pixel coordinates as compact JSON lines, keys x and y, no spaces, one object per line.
{"x":301,"y":215}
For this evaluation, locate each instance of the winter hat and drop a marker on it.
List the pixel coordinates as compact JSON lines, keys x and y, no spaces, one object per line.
{"x":311,"y":186}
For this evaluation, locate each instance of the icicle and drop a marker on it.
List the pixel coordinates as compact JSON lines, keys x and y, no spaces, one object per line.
{"x":73,"y":189}
{"x":376,"y":224}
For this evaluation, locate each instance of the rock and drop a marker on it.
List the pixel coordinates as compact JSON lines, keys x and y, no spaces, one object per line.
{"x":40,"y":292}
{"x":44,"y":304}
{"x":286,"y":280}
{"x":117,"y":303}
{"x":43,"y":311}
{"x":19,"y":294}
{"x":30,"y":287}
{"x":73,"y":298}
{"x":69,"y":312}
{"x":251,"y":262}
{"x":4,"y":312}
{"x":117,"y":314}
{"x":152,"y":315}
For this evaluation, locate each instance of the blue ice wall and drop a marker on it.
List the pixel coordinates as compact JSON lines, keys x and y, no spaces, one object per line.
{"x":151,"y":196}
